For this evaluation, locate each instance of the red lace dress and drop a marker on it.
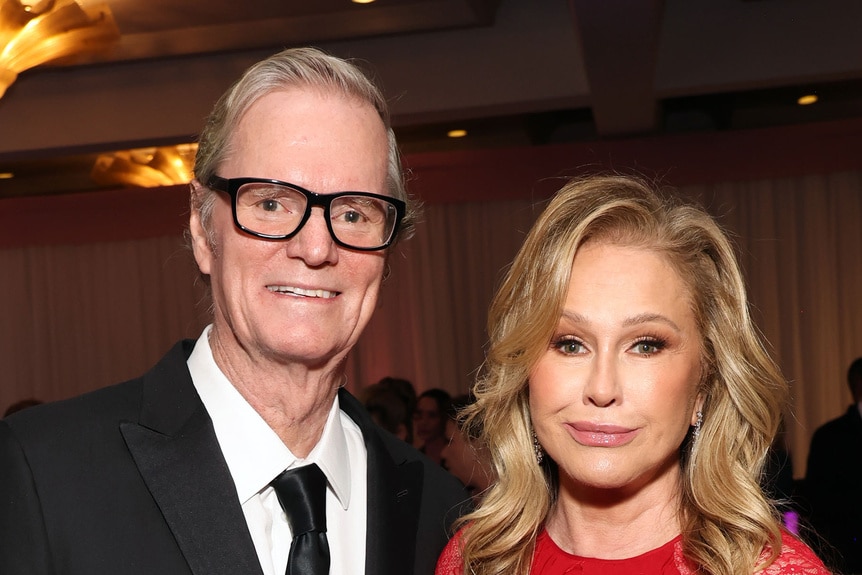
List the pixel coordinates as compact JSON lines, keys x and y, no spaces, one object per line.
{"x":795,"y":559}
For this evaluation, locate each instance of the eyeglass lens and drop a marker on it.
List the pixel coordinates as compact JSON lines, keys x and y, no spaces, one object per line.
{"x":276,"y":210}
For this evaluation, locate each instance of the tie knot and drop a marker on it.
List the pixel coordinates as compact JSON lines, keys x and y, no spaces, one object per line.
{"x":302,"y":494}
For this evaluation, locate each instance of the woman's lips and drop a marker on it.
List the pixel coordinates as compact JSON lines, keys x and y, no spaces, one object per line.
{"x":600,"y":435}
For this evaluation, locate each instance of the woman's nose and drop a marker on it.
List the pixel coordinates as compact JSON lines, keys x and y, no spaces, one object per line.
{"x":602,"y":387}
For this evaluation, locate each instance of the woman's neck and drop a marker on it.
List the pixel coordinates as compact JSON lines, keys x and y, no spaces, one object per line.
{"x":615,"y":523}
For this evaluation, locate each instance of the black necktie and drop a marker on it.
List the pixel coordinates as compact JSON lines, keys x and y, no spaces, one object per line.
{"x":302,"y":494}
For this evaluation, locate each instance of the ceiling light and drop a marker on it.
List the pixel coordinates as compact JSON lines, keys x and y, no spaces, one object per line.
{"x":456,"y":133}
{"x":362,"y":1}
{"x":807,"y":99}
{"x":35,"y":32}
{"x":6,"y":175}
{"x":146,"y":167}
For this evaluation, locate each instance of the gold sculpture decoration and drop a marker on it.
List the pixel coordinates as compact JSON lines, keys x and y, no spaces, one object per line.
{"x":146,"y":167}
{"x":36,"y":32}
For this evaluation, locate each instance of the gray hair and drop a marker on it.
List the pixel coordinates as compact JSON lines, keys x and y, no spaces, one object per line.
{"x":303,"y":67}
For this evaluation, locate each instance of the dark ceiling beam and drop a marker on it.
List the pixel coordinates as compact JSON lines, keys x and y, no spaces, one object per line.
{"x":454,"y":73}
{"x":291,"y":24}
{"x":619,"y":40}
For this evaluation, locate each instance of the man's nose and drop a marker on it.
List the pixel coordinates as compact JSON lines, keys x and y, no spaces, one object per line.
{"x":313,"y":243}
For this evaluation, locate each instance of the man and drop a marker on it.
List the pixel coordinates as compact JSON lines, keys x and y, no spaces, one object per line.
{"x":298,"y":193}
{"x":833,"y":481}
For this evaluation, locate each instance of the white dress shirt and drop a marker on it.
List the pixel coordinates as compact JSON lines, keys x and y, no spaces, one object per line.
{"x":255,"y":455}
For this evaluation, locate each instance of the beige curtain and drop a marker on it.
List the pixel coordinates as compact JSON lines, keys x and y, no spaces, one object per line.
{"x":79,"y":317}
{"x":800,"y":242}
{"x":430,"y":325}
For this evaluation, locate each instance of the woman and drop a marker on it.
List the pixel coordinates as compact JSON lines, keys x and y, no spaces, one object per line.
{"x":627,"y":401}
{"x":429,"y":422}
{"x":465,"y":456}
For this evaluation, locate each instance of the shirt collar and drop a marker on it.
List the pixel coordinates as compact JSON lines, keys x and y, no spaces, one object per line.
{"x":330,"y":454}
{"x":252,"y":450}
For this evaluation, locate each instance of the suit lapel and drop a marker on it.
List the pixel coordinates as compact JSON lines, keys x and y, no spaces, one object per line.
{"x":394,"y":497}
{"x":177,"y":453}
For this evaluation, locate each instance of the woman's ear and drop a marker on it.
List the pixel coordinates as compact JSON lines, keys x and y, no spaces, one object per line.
{"x":201,"y":245}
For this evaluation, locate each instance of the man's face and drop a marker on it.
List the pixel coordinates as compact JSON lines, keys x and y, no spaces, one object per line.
{"x":304,"y":300}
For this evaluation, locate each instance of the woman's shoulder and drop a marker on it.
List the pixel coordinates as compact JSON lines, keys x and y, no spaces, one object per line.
{"x":796,"y":558}
{"x":450,"y":561}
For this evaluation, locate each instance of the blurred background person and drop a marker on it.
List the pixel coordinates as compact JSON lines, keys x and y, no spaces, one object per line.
{"x":429,"y":422}
{"x":390,"y":402}
{"x":465,"y":456}
{"x":627,"y":401}
{"x":778,"y":483}
{"x":833,"y":480}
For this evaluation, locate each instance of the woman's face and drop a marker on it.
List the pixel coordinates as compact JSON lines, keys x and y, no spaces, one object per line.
{"x":428,"y":422}
{"x":459,"y":456}
{"x":614,"y":394}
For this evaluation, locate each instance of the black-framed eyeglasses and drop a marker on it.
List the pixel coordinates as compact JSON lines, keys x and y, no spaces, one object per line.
{"x":276,"y":210}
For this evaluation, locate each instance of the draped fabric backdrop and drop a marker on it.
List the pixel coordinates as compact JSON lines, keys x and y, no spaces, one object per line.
{"x":800,"y":243}
{"x":81,"y":314}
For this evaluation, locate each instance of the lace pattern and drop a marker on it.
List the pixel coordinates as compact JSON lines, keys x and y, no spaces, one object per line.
{"x":795,"y":559}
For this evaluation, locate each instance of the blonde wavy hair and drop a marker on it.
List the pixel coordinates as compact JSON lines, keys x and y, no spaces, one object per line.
{"x":728,"y":525}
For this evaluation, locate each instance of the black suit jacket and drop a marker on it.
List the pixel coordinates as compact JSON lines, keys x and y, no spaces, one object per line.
{"x":130,"y":480}
{"x":833,"y":485}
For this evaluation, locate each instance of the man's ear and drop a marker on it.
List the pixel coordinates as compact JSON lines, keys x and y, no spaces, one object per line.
{"x":201,"y":245}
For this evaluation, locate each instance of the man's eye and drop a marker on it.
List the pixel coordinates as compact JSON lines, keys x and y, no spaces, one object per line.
{"x":352,"y":217}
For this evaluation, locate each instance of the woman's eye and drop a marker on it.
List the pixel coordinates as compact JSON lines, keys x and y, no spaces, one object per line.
{"x":648,"y":347}
{"x":569,"y":346}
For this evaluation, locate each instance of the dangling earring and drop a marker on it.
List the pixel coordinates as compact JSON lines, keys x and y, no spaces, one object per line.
{"x":537,"y":449}
{"x":697,"y":424}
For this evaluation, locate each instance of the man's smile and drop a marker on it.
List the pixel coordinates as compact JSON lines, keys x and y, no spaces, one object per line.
{"x":316,"y":293}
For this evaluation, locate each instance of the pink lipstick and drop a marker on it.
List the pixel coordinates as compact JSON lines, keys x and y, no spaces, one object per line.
{"x":600,"y":434}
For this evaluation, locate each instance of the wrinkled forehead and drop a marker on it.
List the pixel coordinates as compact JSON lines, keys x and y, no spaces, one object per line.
{"x":321,"y":141}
